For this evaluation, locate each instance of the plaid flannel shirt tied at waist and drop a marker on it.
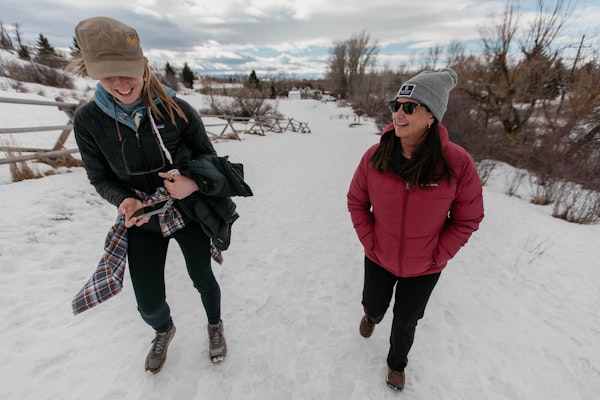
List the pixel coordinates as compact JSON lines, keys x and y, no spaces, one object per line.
{"x":107,"y":280}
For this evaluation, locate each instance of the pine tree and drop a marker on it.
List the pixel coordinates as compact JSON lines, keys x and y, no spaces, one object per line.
{"x":253,"y":81}
{"x":23,"y":52}
{"x":47,"y":55}
{"x":170,"y":77}
{"x":169,"y":70}
{"x":44,"y":48}
{"x":188,"y":76}
{"x":75,"y":50}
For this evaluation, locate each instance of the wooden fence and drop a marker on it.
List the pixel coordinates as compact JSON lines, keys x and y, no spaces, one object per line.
{"x":38,"y":154}
{"x":231,"y":128}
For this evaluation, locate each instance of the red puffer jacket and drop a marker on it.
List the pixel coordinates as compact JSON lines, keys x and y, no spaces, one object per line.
{"x":412,"y":231}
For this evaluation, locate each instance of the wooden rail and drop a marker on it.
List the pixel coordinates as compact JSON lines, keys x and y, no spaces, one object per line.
{"x":38,"y":154}
{"x":233,"y":126}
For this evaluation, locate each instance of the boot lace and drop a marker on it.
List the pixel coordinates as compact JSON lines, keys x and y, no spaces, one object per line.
{"x":160,"y":341}
{"x":215,"y":336}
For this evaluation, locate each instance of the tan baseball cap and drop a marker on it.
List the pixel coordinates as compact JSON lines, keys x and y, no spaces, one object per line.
{"x":109,"y":48}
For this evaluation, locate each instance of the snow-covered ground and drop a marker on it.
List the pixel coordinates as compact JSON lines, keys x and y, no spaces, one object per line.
{"x":514,"y":316}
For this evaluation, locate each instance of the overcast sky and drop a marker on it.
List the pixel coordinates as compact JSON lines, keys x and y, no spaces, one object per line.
{"x":271,"y":36}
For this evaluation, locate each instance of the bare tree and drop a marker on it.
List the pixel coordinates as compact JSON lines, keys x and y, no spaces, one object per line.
{"x":349,"y":62}
{"x":22,"y":50}
{"x":374,"y":90}
{"x":337,"y":68}
{"x":5,"y":41}
{"x":242,"y":102}
{"x":455,"y":53}
{"x":361,"y":57}
{"x":547,"y":110}
{"x":432,"y":58}
{"x":509,"y":89}
{"x":491,"y":87}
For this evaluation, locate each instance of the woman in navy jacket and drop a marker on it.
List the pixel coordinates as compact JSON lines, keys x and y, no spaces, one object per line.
{"x":415,"y":199}
{"x":136,"y":141}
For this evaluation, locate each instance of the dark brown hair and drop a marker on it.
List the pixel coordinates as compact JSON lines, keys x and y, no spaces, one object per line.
{"x":427,"y":165}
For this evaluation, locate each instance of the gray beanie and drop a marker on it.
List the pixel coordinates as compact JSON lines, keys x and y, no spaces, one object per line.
{"x":431,"y":88}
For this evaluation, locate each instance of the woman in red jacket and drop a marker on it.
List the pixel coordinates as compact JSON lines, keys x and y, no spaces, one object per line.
{"x":415,"y":199}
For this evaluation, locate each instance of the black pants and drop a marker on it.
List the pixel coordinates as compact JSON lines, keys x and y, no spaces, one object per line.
{"x":147,"y":253}
{"x":411,"y":299}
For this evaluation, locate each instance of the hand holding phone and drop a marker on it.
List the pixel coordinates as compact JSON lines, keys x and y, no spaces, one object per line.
{"x":152,"y":209}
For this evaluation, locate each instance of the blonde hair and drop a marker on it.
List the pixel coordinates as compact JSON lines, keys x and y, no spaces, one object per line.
{"x":151,"y":86}
{"x":77,"y":67}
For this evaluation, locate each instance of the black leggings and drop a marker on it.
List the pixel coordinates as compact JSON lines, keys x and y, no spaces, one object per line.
{"x":411,"y":299}
{"x":147,"y":253}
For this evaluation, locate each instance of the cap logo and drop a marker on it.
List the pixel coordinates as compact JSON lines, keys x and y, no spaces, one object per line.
{"x":133,"y":39}
{"x":406,"y":90}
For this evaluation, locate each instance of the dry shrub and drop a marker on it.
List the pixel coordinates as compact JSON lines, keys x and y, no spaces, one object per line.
{"x":37,"y":73}
{"x":21,"y":170}
{"x":512,"y":181}
{"x":243,"y":102}
{"x":468,"y":128}
{"x":66,"y":160}
{"x":576,"y":204}
{"x":485,"y":169}
{"x":544,"y":189}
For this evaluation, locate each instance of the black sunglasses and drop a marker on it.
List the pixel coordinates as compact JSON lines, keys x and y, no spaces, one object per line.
{"x":408,"y":107}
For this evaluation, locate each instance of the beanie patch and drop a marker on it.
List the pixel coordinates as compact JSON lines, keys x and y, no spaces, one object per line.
{"x":406,"y":90}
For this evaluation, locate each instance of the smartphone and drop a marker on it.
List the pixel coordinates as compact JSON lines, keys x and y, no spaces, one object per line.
{"x":148,"y":211}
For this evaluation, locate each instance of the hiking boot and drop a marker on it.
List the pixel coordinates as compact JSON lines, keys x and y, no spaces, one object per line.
{"x":217,"y":348}
{"x":158,"y":352}
{"x":366,"y":327}
{"x":395,"y":379}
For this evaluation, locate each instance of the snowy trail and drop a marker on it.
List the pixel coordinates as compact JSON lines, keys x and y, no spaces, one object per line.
{"x":505,"y":322}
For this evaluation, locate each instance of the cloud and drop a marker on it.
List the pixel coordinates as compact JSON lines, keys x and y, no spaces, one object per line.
{"x":224,"y":36}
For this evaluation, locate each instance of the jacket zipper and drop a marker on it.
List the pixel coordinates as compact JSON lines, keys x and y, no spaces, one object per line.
{"x":137,"y":131}
{"x":403,"y":227}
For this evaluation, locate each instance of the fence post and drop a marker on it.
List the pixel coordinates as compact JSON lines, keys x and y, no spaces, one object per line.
{"x":70,"y":111}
